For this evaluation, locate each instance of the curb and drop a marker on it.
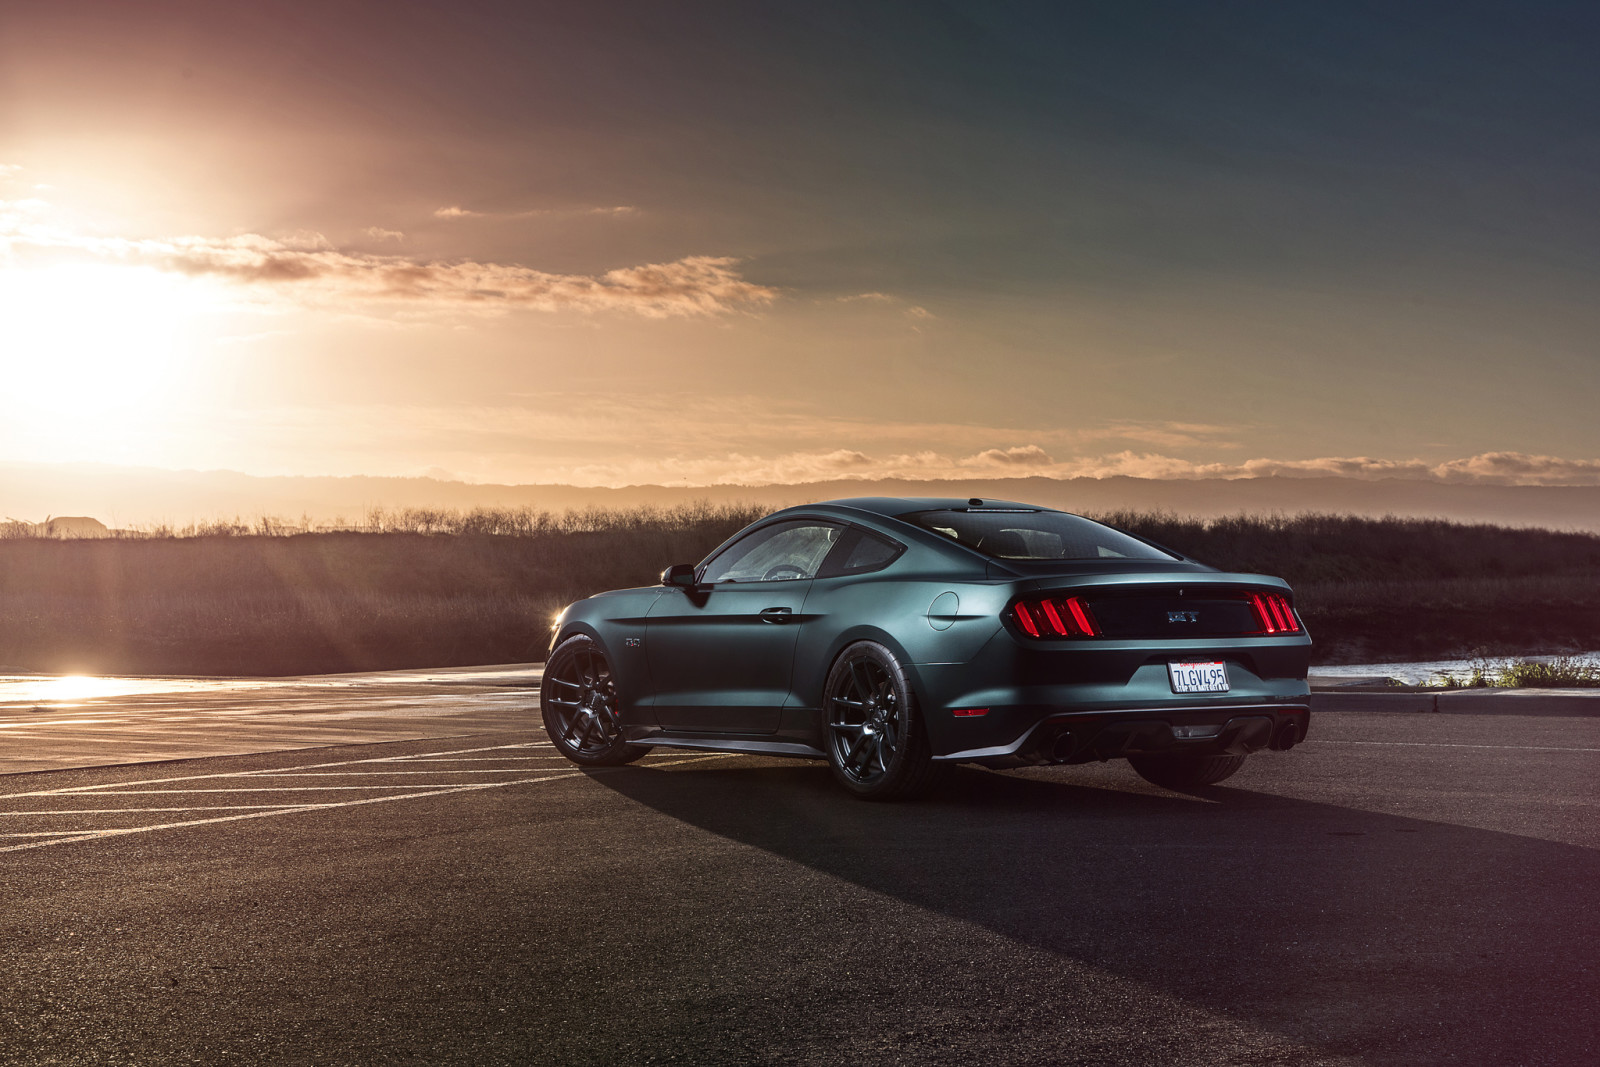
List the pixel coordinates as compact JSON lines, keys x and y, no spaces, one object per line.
{"x":1582,"y":703}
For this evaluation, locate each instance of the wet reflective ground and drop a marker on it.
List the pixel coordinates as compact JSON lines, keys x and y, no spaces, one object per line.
{"x":50,"y":721}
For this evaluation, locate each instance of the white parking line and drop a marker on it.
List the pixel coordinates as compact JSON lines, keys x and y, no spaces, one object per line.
{"x":90,"y":789}
{"x":468,"y":759}
{"x":119,"y":811}
{"x":95,"y":835}
{"x":387,"y":774}
{"x":268,"y":789}
{"x":1449,"y":744}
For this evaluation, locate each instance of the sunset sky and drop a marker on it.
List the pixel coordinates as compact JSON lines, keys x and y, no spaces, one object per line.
{"x":609,"y":243}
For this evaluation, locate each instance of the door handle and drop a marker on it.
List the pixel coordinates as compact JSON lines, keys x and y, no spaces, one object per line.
{"x":776,"y":614}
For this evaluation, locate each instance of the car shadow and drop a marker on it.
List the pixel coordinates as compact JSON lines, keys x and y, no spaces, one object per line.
{"x":1397,"y":940}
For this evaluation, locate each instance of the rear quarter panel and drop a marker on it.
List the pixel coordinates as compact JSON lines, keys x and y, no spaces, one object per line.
{"x":895,"y":611}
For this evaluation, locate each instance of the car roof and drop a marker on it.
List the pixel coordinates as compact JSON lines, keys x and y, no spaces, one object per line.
{"x":895,"y":506}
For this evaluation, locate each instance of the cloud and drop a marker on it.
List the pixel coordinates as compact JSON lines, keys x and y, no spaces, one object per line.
{"x":308,"y":268}
{"x":1498,"y":468}
{"x":456,"y":211}
{"x":1519,"y":468}
{"x":1164,"y":434}
{"x":1019,"y":456}
{"x":378,"y":233}
{"x":910,"y":311}
{"x":1489,"y":468}
{"x":441,"y":474}
{"x":695,"y":439}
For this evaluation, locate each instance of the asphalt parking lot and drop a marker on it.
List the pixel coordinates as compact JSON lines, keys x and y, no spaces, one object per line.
{"x":1407,"y":888}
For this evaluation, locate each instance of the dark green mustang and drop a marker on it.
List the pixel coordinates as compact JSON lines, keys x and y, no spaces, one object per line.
{"x":895,"y":637}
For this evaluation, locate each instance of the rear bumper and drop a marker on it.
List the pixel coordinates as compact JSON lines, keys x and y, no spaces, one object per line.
{"x":1016,"y":699}
{"x":1082,"y":737}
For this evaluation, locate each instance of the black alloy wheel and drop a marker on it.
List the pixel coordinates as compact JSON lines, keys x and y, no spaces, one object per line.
{"x":578,"y":699}
{"x":876,"y":743}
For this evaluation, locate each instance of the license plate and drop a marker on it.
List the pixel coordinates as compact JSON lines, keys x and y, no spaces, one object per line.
{"x":1199,"y":677}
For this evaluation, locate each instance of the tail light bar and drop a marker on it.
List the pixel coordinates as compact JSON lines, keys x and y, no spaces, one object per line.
{"x":1055,"y":616}
{"x":1274,"y":614}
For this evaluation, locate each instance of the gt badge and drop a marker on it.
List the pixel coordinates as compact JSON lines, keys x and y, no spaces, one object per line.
{"x":632,"y":642}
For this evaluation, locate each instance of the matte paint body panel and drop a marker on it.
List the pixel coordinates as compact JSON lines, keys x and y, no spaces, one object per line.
{"x":718,"y":664}
{"x":613,"y":619}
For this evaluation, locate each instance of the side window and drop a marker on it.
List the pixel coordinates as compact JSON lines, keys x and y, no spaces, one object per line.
{"x":785,"y":551}
{"x":862,"y":553}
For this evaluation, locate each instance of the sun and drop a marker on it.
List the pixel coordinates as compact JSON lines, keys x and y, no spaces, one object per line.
{"x":90,"y":351}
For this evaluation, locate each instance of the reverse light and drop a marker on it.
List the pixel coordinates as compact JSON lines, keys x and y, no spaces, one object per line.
{"x":1274,"y":614}
{"x":1052,"y":616}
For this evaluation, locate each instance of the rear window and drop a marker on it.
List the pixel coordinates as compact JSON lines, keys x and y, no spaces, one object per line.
{"x":1034,"y":535}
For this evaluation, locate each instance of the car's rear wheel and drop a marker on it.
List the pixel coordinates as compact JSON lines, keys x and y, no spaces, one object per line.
{"x":578,"y":699}
{"x":1182,"y":772}
{"x":876,"y":742}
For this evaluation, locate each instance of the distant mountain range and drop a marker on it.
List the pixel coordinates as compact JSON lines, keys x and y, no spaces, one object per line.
{"x":128,"y":496}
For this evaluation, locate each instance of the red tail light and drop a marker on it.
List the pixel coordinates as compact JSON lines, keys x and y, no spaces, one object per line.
{"x":1055,"y":616}
{"x":1274,"y":614}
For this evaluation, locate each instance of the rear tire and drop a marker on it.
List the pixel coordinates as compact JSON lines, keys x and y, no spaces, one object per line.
{"x":1182,"y":772}
{"x":578,"y":700}
{"x":875,"y":739}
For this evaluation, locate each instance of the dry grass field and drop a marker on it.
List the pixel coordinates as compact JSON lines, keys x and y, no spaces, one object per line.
{"x":429,"y":589}
{"x":421,"y":588}
{"x":1376,"y":590}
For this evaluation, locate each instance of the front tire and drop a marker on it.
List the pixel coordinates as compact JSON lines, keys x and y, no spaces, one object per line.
{"x":876,"y":742}
{"x":1185,"y":772}
{"x":578,"y":699}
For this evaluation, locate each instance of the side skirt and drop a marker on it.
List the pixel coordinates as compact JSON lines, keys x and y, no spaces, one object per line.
{"x":754,"y":748}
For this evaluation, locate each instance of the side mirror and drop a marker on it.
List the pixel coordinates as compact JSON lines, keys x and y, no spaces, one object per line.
{"x":680,"y":575}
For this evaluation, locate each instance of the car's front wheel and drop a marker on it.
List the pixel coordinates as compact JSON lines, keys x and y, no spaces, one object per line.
{"x":578,"y":698}
{"x":1183,"y":772}
{"x":876,"y":742}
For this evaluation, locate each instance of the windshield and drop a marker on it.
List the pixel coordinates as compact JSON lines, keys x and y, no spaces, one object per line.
{"x":1034,"y":535}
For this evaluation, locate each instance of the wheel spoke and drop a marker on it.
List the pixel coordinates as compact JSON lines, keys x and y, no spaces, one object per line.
{"x":855,"y":759}
{"x":857,"y":687}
